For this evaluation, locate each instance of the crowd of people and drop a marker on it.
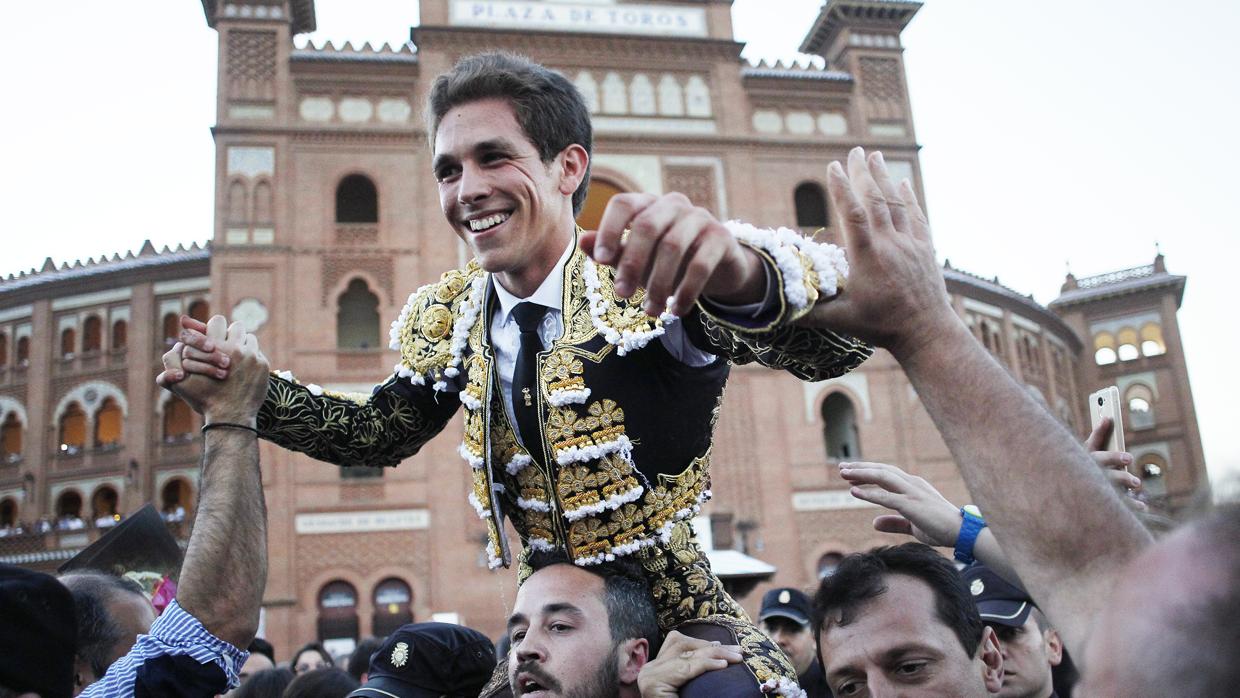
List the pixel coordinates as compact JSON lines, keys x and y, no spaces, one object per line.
{"x":1053,"y":584}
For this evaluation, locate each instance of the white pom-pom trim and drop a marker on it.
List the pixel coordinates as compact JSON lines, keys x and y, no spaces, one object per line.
{"x":533,"y":504}
{"x":783,"y":687}
{"x":577,"y":454}
{"x":567,"y":396}
{"x":627,"y":340}
{"x":612,"y":502}
{"x":475,"y":461}
{"x":469,"y":401}
{"x":827,"y":260}
{"x":314,"y":389}
{"x":541,"y":545}
{"x":518,"y":463}
{"x":483,"y":512}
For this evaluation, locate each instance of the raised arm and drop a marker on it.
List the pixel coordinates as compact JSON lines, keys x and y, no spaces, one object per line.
{"x":381,"y":429}
{"x":1065,"y":531}
{"x":228,"y":547}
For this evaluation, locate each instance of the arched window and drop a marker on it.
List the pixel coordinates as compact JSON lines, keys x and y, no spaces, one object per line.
{"x":172,"y":328}
{"x":68,"y":343}
{"x":597,"y":196}
{"x":337,"y":611}
{"x":236,"y":202}
{"x":109,"y":424}
{"x":357,"y":317}
{"x":23,"y":351}
{"x":120,"y":335}
{"x":1152,"y":343}
{"x":92,"y":334}
{"x":1104,"y":349}
{"x":11,"y":439}
{"x":103,"y":503}
{"x":839,"y":429}
{"x":175,"y":499}
{"x":262,"y":202}
{"x":357,"y":200}
{"x":828,"y":563}
{"x":69,"y":503}
{"x":1127,"y":350}
{"x":1140,"y":400}
{"x":4,"y":350}
{"x":1152,"y":469}
{"x":8,"y":512}
{"x":393,"y":606}
{"x":200,"y":311}
{"x":811,"y":205}
{"x":72,"y":429}
{"x":178,"y":420}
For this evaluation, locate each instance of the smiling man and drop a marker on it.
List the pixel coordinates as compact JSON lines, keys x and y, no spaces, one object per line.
{"x":590,"y":365}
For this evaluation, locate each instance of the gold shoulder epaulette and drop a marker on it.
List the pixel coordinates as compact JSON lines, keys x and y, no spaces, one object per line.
{"x":434,"y":325}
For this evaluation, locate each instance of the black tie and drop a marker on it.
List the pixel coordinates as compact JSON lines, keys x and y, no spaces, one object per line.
{"x":529,"y":317}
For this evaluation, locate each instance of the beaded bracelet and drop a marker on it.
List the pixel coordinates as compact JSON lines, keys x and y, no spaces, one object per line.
{"x":228,"y":425}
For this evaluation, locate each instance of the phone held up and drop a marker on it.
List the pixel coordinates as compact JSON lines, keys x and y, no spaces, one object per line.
{"x":1105,"y":403}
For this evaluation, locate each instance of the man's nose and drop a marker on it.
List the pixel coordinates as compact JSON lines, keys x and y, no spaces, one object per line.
{"x":474,"y":186}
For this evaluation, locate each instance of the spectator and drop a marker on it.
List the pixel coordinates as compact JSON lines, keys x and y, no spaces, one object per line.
{"x":111,"y":613}
{"x":428,"y":660}
{"x":310,"y":657}
{"x":268,"y":683}
{"x":192,"y":648}
{"x":262,"y":658}
{"x":359,"y":661}
{"x":1031,"y":647}
{"x":580,"y":630}
{"x":784,"y":616}
{"x":899,"y":621}
{"x":37,"y":635}
{"x":1077,"y":547}
{"x":324,"y":682}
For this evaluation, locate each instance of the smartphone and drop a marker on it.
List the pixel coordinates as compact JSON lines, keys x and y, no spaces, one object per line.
{"x":1105,"y":403}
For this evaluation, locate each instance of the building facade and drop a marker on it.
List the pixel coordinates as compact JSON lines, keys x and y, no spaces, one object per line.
{"x":327,"y":217}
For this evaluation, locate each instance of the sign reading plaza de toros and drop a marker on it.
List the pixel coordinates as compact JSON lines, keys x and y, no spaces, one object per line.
{"x":652,"y":20}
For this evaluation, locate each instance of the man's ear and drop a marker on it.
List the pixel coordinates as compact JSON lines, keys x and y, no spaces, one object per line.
{"x":1054,"y":646}
{"x":574,"y":161}
{"x":631,"y":656}
{"x":992,"y":660}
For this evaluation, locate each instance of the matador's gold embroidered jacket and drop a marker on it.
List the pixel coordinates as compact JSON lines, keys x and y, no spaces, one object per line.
{"x":627,"y":427}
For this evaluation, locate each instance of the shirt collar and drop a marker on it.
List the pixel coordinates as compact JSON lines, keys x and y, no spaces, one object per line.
{"x":550,"y":293}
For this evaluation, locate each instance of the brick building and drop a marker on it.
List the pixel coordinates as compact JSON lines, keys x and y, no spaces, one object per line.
{"x":327,"y":217}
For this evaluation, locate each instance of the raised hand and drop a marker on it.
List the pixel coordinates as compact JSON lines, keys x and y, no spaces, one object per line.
{"x":1115,"y":464}
{"x":921,"y":511}
{"x":895,"y":296}
{"x":236,"y":400}
{"x":682,"y":659}
{"x":673,"y":248}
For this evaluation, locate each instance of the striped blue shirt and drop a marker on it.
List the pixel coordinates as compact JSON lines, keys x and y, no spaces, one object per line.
{"x":175,"y":633}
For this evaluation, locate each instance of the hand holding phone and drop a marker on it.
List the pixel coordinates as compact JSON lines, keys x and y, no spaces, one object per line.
{"x":1105,"y":403}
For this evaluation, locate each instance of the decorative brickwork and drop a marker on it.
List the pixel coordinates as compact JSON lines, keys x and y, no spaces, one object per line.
{"x":697,"y":183}
{"x":251,"y":66}
{"x":336,"y":268}
{"x":359,"y":554}
{"x":882,"y":87}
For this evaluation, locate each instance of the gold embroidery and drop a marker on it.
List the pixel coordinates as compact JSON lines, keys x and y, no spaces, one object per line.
{"x":436,"y":322}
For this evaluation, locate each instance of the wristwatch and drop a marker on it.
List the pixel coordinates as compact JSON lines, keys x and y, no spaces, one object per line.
{"x":971,"y":525}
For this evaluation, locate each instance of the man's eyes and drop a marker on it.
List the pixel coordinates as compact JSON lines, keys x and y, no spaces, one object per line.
{"x":910,"y":669}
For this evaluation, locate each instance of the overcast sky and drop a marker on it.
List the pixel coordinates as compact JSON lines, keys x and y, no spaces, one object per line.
{"x":1054,"y":132}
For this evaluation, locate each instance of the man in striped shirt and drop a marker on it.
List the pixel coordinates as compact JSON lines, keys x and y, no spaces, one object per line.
{"x":193,"y":649}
